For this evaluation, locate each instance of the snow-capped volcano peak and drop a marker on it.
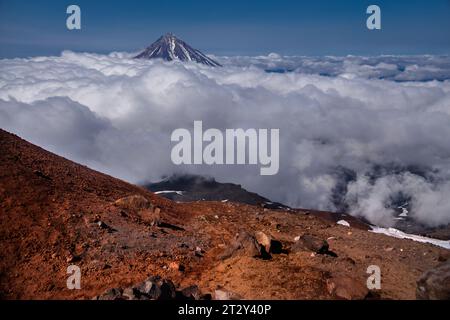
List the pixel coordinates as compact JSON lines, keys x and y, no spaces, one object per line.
{"x":169,"y":47}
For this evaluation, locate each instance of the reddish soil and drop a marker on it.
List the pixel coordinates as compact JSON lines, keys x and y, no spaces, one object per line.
{"x":49,"y":213}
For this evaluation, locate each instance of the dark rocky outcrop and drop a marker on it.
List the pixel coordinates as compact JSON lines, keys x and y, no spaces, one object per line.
{"x":154,"y":288}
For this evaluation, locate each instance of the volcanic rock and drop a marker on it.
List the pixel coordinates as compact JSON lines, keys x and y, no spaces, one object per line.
{"x":134,"y":203}
{"x":264,"y":241}
{"x":243,"y":244}
{"x":435,"y":283}
{"x":221,"y":294}
{"x":191,"y":293}
{"x":347,"y":288}
{"x":111,"y":294}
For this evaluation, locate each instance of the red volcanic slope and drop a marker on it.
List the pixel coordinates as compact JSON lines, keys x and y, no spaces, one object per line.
{"x":55,"y":213}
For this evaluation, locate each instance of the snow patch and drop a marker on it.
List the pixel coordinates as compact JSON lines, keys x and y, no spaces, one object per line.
{"x":169,"y":191}
{"x":343,"y":223}
{"x":404,"y":212}
{"x":392,"y":232}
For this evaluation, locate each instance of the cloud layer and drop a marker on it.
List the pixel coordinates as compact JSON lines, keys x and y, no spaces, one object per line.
{"x":356,"y":133}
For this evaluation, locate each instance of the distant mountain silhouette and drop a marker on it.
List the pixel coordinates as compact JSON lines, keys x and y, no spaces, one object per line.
{"x":187,"y":188}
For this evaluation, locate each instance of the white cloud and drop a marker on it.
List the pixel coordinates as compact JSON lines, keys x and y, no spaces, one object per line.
{"x":345,"y":134}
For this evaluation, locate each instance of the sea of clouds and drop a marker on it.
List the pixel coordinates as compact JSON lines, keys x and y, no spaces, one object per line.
{"x":360,"y":134}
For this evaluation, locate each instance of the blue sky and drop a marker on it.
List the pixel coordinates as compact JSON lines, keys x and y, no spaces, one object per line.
{"x":320,"y":27}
